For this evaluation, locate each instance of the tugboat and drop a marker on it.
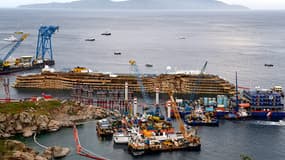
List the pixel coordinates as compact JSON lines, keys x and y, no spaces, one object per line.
{"x":104,"y":128}
{"x":117,"y":53}
{"x":106,"y":34}
{"x":239,"y":111}
{"x":79,"y":69}
{"x":268,"y":65}
{"x":90,"y":39}
{"x":202,"y":119}
{"x":148,"y":65}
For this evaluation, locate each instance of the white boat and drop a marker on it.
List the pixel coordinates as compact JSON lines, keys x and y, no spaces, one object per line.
{"x":121,"y":137}
{"x":48,"y":69}
{"x":11,"y":38}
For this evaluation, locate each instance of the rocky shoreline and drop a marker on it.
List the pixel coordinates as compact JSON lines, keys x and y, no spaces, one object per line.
{"x":29,"y":121}
{"x":12,"y":149}
{"x":33,"y":120}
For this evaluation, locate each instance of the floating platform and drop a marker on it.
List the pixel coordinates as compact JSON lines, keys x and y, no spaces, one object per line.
{"x":213,"y":123}
{"x":104,"y":128}
{"x":180,"y":83}
{"x":10,"y":70}
{"x":156,"y":146}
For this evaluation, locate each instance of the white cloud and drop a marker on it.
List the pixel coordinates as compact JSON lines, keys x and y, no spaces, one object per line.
{"x":14,"y":3}
{"x":259,"y":4}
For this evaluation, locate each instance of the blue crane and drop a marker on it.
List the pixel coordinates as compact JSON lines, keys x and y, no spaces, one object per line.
{"x":44,"y":45}
{"x":157,"y":111}
{"x":140,"y":82}
{"x":3,"y":62}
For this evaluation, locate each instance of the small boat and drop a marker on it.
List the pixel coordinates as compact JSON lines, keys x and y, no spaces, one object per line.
{"x":106,"y":34}
{"x":11,"y":38}
{"x":19,"y":32}
{"x":79,"y":69}
{"x":104,"y":128}
{"x":90,"y":39}
{"x":148,"y":65}
{"x":122,"y":136}
{"x":202,"y":119}
{"x":117,"y":53}
{"x":268,"y":65}
{"x":182,"y":38}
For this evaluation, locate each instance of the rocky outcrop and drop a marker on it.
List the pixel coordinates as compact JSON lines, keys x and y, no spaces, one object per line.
{"x":3,"y":117}
{"x":26,"y":118}
{"x":18,"y":150}
{"x":23,"y":155}
{"x":59,"y":152}
{"x":42,"y":122}
{"x":29,"y":121}
{"x":28,"y":132}
{"x":53,"y":125}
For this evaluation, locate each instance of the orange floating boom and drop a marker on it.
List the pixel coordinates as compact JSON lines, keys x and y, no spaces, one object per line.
{"x":82,"y":151}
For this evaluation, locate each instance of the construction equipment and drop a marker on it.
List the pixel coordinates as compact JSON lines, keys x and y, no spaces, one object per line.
{"x":44,"y":45}
{"x":157,"y":111}
{"x":140,"y":81}
{"x":194,"y":90}
{"x":29,"y":62}
{"x":191,"y":137}
{"x":177,"y":115}
{"x":204,"y":68}
{"x":3,"y":62}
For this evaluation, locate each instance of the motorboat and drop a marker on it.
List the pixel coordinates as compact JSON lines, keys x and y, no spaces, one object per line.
{"x":90,"y":39}
{"x":121,"y":137}
{"x":148,"y":65}
{"x":106,"y":34}
{"x":11,"y":38}
{"x":117,"y":53}
{"x":268,"y":65}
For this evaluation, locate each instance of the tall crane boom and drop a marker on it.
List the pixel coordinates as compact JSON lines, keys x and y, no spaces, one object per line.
{"x":194,"y":90}
{"x":44,"y":45}
{"x":204,"y":68}
{"x":177,"y":115}
{"x":140,"y":82}
{"x":18,"y":43}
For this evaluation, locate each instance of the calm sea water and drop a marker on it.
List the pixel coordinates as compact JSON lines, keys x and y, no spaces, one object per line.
{"x":229,"y":41}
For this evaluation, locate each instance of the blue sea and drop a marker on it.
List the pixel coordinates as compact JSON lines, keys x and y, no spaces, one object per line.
{"x":230,"y":41}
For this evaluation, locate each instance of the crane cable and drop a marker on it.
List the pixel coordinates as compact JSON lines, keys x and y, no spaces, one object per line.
{"x":6,"y":46}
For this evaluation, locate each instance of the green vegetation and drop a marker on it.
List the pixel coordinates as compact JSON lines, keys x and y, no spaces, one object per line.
{"x":245,"y":157}
{"x":41,"y":107}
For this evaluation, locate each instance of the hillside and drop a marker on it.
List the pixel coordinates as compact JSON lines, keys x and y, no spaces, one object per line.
{"x":141,"y":4}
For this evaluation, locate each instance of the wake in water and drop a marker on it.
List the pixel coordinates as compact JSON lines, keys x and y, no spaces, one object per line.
{"x":270,"y":123}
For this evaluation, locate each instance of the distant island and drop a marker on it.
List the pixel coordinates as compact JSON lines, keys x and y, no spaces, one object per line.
{"x":141,"y":4}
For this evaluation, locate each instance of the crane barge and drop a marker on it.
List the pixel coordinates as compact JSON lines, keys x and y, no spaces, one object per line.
{"x":23,"y":63}
{"x":184,"y":140}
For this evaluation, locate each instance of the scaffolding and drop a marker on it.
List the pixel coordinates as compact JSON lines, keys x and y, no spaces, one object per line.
{"x":6,"y":87}
{"x":83,"y":94}
{"x":113,"y":99}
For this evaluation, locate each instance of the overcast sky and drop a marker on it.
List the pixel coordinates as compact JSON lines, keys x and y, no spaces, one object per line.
{"x":253,"y":4}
